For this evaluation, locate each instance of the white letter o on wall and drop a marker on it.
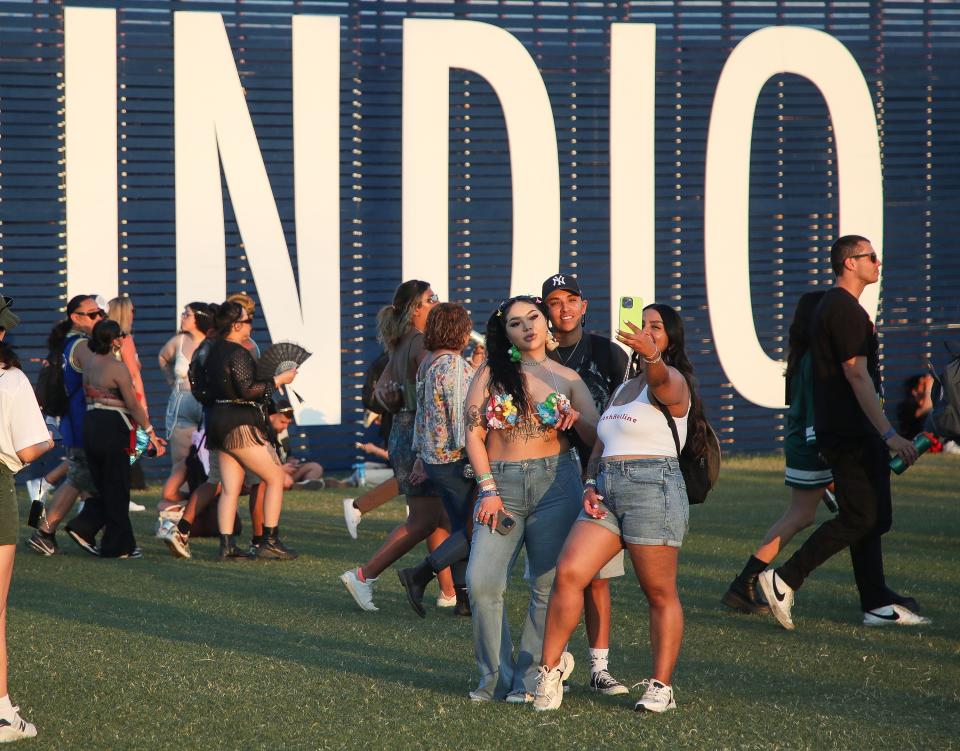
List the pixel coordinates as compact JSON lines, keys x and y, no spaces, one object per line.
{"x":829,"y":65}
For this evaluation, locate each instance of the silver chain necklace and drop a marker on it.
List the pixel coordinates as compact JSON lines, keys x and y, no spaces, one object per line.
{"x":570,"y":356}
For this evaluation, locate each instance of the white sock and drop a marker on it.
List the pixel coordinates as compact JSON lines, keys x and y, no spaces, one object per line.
{"x":598,"y":660}
{"x":6,"y":708}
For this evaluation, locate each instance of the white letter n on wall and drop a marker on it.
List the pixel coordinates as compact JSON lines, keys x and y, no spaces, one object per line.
{"x":213,"y":127}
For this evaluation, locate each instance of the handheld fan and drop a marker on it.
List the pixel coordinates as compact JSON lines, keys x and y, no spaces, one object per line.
{"x":279,"y":358}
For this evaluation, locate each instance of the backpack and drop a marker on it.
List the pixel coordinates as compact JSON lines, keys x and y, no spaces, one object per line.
{"x":197,"y":374}
{"x":946,"y":409}
{"x":700,"y":472}
{"x":50,"y":389}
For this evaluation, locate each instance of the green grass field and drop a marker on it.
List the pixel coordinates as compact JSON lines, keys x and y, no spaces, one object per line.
{"x":163,"y":653}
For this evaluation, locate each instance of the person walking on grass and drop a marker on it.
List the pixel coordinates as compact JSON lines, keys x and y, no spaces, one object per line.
{"x":114,"y":409}
{"x":806,"y":474}
{"x":519,"y":407}
{"x":400,"y":329}
{"x":68,"y":340}
{"x":23,"y":438}
{"x":856,"y":439}
{"x":602,"y":365}
{"x":635,"y":497}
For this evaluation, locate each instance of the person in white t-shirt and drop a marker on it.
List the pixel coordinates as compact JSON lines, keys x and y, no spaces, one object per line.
{"x":23,"y":438}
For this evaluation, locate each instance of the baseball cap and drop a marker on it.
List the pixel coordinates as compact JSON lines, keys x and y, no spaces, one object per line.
{"x":560,"y":281}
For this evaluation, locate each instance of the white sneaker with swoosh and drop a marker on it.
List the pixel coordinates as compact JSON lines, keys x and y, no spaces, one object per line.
{"x":780,"y":597}
{"x":893,"y":615}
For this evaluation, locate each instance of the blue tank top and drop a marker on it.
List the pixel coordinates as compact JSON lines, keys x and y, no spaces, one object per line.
{"x":71,"y":424}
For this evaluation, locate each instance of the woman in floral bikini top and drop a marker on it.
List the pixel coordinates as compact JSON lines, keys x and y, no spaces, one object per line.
{"x":518,"y":407}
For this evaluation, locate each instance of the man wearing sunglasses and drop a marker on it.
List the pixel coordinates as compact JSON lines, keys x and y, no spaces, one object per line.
{"x":70,"y":337}
{"x":856,"y":439}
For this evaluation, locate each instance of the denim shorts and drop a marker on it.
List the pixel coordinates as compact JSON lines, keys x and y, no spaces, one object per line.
{"x":645,"y":501}
{"x":183,"y":411}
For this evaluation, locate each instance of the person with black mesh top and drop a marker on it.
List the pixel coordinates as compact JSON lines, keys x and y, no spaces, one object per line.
{"x":238,"y":428}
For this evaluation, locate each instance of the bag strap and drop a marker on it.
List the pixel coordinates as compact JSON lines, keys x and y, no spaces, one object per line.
{"x":670,"y":421}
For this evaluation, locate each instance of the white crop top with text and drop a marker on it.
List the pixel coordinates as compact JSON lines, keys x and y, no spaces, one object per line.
{"x":639,"y":428}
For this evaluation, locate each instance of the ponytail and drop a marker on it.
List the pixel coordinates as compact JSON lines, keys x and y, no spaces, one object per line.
{"x":393,"y":321}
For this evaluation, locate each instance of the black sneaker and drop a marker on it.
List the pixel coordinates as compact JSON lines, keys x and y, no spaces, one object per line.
{"x":272,"y":549}
{"x":137,"y":553}
{"x":43,"y":543}
{"x":88,"y":545}
{"x":604,"y":683}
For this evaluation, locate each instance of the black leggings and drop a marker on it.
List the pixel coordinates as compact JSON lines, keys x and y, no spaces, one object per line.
{"x":106,"y":442}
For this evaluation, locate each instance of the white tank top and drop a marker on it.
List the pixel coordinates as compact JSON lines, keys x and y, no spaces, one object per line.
{"x":181,"y":367}
{"x":639,"y":428}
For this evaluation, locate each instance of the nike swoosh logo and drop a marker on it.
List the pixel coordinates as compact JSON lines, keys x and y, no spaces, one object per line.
{"x":776,"y":591}
{"x":892,"y":617}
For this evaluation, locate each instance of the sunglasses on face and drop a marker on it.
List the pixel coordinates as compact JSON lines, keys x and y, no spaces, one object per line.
{"x":872,"y":256}
{"x":92,"y":315}
{"x":246,"y":320}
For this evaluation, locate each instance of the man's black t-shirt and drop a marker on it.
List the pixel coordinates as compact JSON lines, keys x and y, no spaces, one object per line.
{"x":601,"y":364}
{"x":841,"y":330}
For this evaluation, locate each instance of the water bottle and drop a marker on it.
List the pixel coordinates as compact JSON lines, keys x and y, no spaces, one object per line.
{"x":360,"y":473}
{"x":922,"y":443}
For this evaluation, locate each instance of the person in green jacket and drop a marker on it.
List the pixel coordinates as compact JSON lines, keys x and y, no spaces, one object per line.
{"x":806,"y":474}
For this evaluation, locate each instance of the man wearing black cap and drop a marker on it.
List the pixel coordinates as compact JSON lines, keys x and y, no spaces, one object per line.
{"x":601,"y":364}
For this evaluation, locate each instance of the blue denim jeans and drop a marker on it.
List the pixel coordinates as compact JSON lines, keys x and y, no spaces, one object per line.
{"x":543,"y":495}
{"x":457,"y":493}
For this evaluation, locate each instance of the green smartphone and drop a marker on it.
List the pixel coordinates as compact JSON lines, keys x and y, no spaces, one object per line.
{"x":631,"y":311}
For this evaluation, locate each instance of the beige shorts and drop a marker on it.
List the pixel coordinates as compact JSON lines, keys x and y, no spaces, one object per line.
{"x":613,"y":568}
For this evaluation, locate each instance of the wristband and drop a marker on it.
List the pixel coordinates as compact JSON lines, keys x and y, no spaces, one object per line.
{"x":485,"y":476}
{"x":889,"y":434}
{"x":487,"y":493}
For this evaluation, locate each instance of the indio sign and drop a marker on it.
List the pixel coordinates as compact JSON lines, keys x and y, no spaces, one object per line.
{"x":213,"y":128}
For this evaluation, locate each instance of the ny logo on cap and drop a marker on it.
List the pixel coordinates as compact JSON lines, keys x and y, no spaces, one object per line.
{"x":559,"y":281}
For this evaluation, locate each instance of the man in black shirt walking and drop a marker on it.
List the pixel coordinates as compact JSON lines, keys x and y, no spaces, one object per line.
{"x":856,"y":439}
{"x":601,"y":364}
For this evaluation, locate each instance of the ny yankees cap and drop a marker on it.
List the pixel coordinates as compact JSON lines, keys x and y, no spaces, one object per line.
{"x":560,"y":281}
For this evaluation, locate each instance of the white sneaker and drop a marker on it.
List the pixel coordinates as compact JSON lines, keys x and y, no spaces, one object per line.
{"x":16,"y":728}
{"x":550,"y":684}
{"x":780,"y":597}
{"x":351,"y":516}
{"x":162,"y":527}
{"x":893,"y":615}
{"x":362,"y":591}
{"x":134,"y":506}
{"x":178,"y":542}
{"x":657,"y":698}
{"x":951,"y":447}
{"x":446,"y":602}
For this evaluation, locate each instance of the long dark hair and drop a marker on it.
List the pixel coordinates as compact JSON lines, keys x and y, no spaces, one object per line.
{"x":8,"y":358}
{"x":225,"y":315}
{"x":60,"y":330}
{"x":801,"y":331}
{"x":675,"y":355}
{"x":393,"y":321}
{"x":202,"y":316}
{"x":102,"y":336}
{"x":506,"y":377}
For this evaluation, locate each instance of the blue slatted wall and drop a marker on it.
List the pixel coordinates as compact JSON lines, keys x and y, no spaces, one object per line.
{"x":909,"y":52}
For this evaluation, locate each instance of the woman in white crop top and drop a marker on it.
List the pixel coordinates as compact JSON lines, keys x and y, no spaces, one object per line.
{"x":634,"y":497}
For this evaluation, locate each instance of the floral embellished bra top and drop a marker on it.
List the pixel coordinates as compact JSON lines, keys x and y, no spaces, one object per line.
{"x":502,"y":413}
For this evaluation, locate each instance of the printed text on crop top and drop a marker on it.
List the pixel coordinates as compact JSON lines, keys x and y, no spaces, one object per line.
{"x":639,"y":428}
